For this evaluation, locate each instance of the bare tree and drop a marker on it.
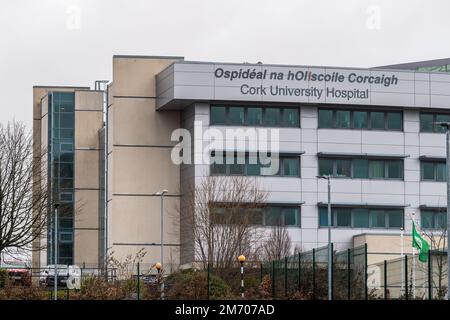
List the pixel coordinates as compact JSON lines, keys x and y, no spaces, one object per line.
{"x":23,"y":206}
{"x":278,"y":244}
{"x":225,"y":212}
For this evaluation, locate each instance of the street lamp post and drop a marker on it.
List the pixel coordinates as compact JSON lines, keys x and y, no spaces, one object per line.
{"x":161,"y":194}
{"x":241,"y":259}
{"x":330,"y":253}
{"x":158,"y":268}
{"x":55,"y":246}
{"x":446,"y":126}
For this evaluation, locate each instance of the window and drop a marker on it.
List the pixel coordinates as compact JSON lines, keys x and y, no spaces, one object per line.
{"x":291,"y":216}
{"x":377,"y":120}
{"x":255,"y":116}
{"x":66,"y":197}
{"x":272,"y":216}
{"x":433,"y":171}
{"x":325,"y":118}
{"x":218,"y":115}
{"x":394,"y":121}
{"x":236,"y":116}
{"x":433,"y":219}
{"x":427,"y":122}
{"x":326,"y":167}
{"x":362,"y":217}
{"x":251,"y":165}
{"x":343,"y":168}
{"x":291,"y":166}
{"x":360,"y":119}
{"x":268,"y":215}
{"x":377,"y":219}
{"x":395,"y":218}
{"x":376,"y":169}
{"x":342,"y":119}
{"x":272,"y":117}
{"x":66,"y":120}
{"x":66,"y":237}
{"x":361,"y":168}
{"x":290,"y":118}
{"x":343,"y":217}
{"x":394,"y":169}
{"x":238,"y":165}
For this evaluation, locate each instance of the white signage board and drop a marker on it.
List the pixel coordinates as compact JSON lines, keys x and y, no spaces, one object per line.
{"x":191,"y":81}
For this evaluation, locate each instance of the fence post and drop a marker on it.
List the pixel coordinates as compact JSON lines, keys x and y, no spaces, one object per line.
{"x":348,"y":275}
{"x":285,"y":277}
{"x":273,"y":279}
{"x":385,"y":280}
{"x":406,"y":277}
{"x":138,"y":282}
{"x":261,"y":273}
{"x":299,"y":272}
{"x":332,"y":271}
{"x":209,"y":280}
{"x":430,"y":284}
{"x":314,"y":273}
{"x":366,"y":293}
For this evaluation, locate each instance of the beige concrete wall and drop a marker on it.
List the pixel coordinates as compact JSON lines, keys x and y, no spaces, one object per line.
{"x":137,"y":123}
{"x":86,"y":248}
{"x":382,"y":247}
{"x":139,"y":162}
{"x":141,"y":170}
{"x":86,"y":209}
{"x":88,"y":122}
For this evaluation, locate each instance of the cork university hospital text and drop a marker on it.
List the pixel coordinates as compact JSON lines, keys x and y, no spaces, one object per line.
{"x":305,"y":76}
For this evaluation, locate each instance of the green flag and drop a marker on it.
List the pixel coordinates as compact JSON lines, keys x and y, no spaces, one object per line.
{"x":420,"y":243}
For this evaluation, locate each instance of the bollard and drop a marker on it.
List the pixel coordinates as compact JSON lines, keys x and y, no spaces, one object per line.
{"x":406,"y":277}
{"x":241,"y":259}
{"x":385,"y":280}
{"x":430,"y":284}
{"x":314,"y":273}
{"x":208,"y":284}
{"x":138,"y":282}
{"x":299,"y":272}
{"x":273,"y":279}
{"x":366,"y":292}
{"x":349,"y":293}
{"x":285,"y":277}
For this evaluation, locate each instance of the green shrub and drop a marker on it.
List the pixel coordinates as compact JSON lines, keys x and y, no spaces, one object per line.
{"x":193,"y":284}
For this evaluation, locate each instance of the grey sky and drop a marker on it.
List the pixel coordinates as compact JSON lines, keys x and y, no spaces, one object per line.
{"x":71,"y":42}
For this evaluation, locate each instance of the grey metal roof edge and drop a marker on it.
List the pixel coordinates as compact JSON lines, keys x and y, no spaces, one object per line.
{"x":368,"y":155}
{"x":432,"y":158}
{"x":353,"y":204}
{"x":132,"y":56}
{"x":306,"y":66}
{"x":61,"y":87}
{"x":393,"y":233}
{"x":424,"y":206}
{"x":416,"y":64}
{"x":258,"y":151}
{"x":284,"y":203}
